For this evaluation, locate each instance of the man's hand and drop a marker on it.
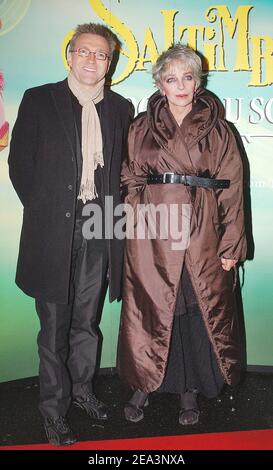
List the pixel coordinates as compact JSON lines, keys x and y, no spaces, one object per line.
{"x":227,"y":264}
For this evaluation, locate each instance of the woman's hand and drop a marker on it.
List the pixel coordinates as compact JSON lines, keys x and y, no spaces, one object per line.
{"x":227,"y":264}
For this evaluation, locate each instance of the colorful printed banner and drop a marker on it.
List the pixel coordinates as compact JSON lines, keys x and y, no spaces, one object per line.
{"x":235,"y":38}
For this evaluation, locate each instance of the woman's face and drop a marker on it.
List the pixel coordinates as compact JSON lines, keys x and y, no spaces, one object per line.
{"x":178,"y":85}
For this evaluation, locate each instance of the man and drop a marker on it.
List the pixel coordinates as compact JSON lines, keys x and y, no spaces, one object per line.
{"x":66,"y":151}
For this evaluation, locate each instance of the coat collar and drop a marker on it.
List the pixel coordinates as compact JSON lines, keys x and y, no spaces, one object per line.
{"x":197,"y":124}
{"x":108,"y":124}
{"x":63,"y":104}
{"x":62,"y":100}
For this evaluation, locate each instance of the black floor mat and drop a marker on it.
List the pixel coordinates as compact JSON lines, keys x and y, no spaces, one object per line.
{"x":248,"y":406}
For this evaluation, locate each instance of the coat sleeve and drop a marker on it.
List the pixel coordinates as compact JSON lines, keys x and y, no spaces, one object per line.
{"x":232,"y":244}
{"x":133,"y":176}
{"x":23,"y":148}
{"x":128,"y":118}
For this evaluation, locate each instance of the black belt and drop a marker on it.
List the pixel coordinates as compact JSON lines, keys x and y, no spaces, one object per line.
{"x":173,"y":178}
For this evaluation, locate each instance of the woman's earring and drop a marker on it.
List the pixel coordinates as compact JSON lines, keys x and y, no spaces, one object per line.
{"x":194,"y":97}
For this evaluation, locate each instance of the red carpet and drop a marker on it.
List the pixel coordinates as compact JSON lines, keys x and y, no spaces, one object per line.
{"x":242,"y":440}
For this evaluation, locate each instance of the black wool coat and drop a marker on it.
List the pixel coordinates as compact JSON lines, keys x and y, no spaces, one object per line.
{"x":42,"y":165}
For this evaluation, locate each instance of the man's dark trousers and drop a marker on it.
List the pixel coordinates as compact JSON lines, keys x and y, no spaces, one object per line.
{"x":67,"y":366}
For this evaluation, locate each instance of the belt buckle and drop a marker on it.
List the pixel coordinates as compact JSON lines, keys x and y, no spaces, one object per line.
{"x":164,"y":176}
{"x":186,"y":183}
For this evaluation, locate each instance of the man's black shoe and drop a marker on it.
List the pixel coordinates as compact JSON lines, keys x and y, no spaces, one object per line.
{"x":93,"y":407}
{"x":58,"y":431}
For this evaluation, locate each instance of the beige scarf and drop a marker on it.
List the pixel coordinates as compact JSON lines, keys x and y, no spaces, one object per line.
{"x":92,"y":155}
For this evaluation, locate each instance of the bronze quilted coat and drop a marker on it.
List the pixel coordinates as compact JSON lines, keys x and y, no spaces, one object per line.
{"x":204,"y":146}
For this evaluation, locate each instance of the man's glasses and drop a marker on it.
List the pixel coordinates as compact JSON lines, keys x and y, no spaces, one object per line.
{"x":82,"y":52}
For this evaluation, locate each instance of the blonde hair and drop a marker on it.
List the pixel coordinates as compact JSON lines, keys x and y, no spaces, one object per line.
{"x":100,"y":30}
{"x":184,"y":54}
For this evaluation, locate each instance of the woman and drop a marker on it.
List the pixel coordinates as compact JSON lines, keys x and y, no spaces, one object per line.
{"x":179,"y":327}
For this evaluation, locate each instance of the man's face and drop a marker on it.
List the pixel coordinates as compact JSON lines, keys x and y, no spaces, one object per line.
{"x":89,"y":70}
